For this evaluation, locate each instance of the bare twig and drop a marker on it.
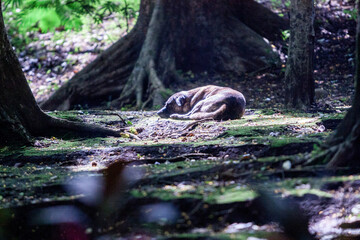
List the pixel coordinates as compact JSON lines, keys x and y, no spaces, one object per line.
{"x":132,"y":135}
{"x":113,"y":114}
{"x":173,"y":159}
{"x":196,"y":123}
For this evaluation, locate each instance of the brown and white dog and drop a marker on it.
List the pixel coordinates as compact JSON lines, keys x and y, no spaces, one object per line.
{"x":218,"y":103}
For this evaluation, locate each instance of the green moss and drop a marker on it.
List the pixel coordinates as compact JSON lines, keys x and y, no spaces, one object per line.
{"x":68,"y":115}
{"x":280,"y":142}
{"x":177,"y":168}
{"x":33,"y":183}
{"x":52,"y":146}
{"x":235,"y":194}
{"x":333,"y":116}
{"x":208,"y":191}
{"x":252,"y":131}
{"x":302,"y":192}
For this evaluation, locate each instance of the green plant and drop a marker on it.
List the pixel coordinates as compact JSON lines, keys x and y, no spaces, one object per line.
{"x":351,"y":13}
{"x":25,"y":16}
{"x":285,"y":34}
{"x":280,"y":3}
{"x":316,"y":150}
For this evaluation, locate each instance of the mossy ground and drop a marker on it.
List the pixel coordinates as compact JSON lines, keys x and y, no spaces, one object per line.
{"x":211,"y":165}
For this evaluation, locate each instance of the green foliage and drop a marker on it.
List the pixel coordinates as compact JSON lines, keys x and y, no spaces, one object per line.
{"x":25,"y":16}
{"x":316,"y":150}
{"x":280,"y":3}
{"x":285,"y":34}
{"x":351,"y":13}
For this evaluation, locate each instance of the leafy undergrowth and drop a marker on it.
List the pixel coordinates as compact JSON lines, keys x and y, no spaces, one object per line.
{"x":171,"y":179}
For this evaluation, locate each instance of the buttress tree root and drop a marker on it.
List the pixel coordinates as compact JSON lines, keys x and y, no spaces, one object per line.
{"x":342,"y":149}
{"x":20,"y":116}
{"x":170,"y":36}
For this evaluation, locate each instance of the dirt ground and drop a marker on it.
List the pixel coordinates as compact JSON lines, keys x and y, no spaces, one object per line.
{"x":170,"y":179}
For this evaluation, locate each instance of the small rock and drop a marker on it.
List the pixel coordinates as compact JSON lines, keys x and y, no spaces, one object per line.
{"x":274,"y":134}
{"x":286,"y":165}
{"x":356,"y":209}
{"x":18,"y":164}
{"x":255,"y":238}
{"x":321,"y":128}
{"x":201,"y":230}
{"x":235,"y":227}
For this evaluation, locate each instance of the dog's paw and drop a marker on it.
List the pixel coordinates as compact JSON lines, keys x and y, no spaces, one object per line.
{"x":178,"y":116}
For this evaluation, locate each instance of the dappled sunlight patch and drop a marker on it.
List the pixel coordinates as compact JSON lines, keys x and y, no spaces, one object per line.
{"x":237,"y":194}
{"x":301,"y":192}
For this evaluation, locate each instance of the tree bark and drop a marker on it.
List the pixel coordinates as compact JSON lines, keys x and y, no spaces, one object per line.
{"x":300,"y":86}
{"x":344,"y":145}
{"x":20,"y":116}
{"x":215,"y":36}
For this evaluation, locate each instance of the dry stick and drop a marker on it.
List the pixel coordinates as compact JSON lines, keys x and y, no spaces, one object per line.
{"x":113,"y":114}
{"x":190,"y":125}
{"x":196,"y":123}
{"x":174,"y":159}
{"x":132,"y":135}
{"x":126,"y":132}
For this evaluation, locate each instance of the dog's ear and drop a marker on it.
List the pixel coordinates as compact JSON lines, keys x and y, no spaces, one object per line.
{"x":180,"y":100}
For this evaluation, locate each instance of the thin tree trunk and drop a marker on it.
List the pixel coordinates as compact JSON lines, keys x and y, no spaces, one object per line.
{"x":299,"y":80}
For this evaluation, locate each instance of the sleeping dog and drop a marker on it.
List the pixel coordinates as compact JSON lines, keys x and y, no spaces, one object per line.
{"x":218,"y":103}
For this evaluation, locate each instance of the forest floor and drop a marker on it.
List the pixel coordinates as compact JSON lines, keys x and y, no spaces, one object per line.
{"x":179,"y":180}
{"x":171,"y":179}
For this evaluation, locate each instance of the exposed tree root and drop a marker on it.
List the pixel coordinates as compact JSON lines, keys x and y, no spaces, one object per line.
{"x":340,"y":153}
{"x":196,"y":36}
{"x":11,"y":126}
{"x":347,"y":152}
{"x":56,"y":126}
{"x":145,"y":65}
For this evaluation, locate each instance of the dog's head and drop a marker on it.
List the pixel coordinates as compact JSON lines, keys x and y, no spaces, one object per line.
{"x":175,"y":104}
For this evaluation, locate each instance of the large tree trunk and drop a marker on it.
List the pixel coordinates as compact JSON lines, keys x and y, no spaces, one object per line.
{"x":344,"y":144}
{"x":20,"y":116}
{"x":216,"y":36}
{"x":300,"y":86}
